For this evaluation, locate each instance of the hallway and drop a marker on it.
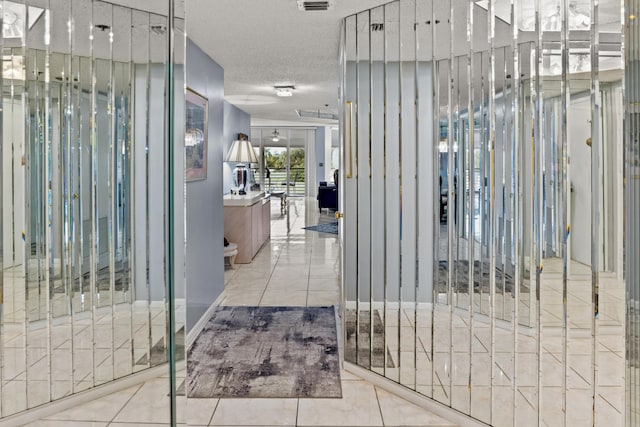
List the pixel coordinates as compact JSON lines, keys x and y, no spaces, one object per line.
{"x":295,"y":268}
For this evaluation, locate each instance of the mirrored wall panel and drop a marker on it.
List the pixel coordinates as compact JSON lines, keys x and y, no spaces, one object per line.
{"x":83,"y":283}
{"x":484,"y":213}
{"x":631,"y":168}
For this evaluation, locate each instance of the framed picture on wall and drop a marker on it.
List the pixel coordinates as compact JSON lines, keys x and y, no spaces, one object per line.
{"x":195,"y":136}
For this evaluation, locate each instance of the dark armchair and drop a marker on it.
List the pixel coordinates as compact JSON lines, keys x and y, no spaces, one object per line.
{"x":328,"y":194}
{"x":327,"y":197}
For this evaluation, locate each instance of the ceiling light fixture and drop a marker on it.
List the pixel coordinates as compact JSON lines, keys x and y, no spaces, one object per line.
{"x":275,"y":136}
{"x":284,"y":90}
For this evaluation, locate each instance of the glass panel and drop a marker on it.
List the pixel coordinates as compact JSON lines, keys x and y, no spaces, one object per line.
{"x":363,"y":167}
{"x":391,"y":317}
{"x":408,"y":201}
{"x":379,"y":359}
{"x":442,"y":294}
{"x":121,"y":193}
{"x":461,"y":325}
{"x":632,"y":209}
{"x":481,"y":344}
{"x":69,"y":227}
{"x":140,"y":52}
{"x":14,"y":316}
{"x":349,"y":266}
{"x":156,"y":190}
{"x":425,"y":207}
{"x":102,"y":195}
{"x":37,"y":297}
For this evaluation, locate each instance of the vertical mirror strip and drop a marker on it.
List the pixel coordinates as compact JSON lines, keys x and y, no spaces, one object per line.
{"x":632,"y":206}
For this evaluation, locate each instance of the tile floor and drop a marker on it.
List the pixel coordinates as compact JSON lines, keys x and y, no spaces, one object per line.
{"x":311,"y":258}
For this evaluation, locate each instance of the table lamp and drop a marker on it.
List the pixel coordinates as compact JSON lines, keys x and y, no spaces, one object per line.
{"x":241,"y":152}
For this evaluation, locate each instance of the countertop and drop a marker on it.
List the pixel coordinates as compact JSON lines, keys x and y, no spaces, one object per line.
{"x":249,"y":199}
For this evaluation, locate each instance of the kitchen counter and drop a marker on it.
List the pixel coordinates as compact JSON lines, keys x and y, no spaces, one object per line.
{"x":249,"y":199}
{"x":247,"y":222}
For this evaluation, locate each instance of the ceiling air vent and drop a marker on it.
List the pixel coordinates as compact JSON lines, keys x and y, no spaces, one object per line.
{"x":377,"y":26}
{"x":310,"y":5}
{"x":316,"y":114}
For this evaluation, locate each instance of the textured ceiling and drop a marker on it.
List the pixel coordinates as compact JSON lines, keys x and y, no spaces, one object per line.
{"x":262,"y":43}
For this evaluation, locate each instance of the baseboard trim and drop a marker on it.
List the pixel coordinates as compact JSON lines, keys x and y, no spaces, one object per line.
{"x":411,"y":396}
{"x":48,"y":409}
{"x":197,"y":328}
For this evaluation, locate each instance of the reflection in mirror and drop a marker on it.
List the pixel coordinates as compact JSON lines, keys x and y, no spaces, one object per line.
{"x":391,"y":316}
{"x":525,"y":264}
{"x":426,"y":176}
{"x":80,"y":304}
{"x":102,"y":196}
{"x":121,"y":193}
{"x":378,"y":197}
{"x":444,"y":229}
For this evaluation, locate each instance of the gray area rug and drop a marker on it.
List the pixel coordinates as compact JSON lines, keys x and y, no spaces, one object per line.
{"x":360,"y":355}
{"x":266,"y":352}
{"x":329,"y":227}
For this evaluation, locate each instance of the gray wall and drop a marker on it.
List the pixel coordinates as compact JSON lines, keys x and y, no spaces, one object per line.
{"x":235,"y":121}
{"x":205,"y":216}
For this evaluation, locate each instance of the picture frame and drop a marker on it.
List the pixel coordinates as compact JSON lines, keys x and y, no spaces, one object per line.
{"x":196,"y":135}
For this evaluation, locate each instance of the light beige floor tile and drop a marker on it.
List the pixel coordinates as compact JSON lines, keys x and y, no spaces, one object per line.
{"x":358,"y":407}
{"x":150,"y":404}
{"x":289,"y":283}
{"x":103,"y":409}
{"x":348,"y":376}
{"x":322,"y":298}
{"x":200,"y":411}
{"x":66,"y":423}
{"x":252,"y":412}
{"x":399,"y":412}
{"x":323,"y":284}
{"x":284,"y":298}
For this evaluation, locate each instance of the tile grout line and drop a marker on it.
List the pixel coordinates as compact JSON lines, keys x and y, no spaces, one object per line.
{"x":212,"y":414}
{"x":375,"y":389}
{"x":125,"y":404}
{"x":264,"y":291}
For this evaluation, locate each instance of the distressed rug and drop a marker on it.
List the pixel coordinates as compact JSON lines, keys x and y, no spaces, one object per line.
{"x":329,"y":227}
{"x":266,"y":352}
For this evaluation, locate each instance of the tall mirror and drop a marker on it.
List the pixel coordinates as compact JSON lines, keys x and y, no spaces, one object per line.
{"x":84,"y":298}
{"x":522,"y":247}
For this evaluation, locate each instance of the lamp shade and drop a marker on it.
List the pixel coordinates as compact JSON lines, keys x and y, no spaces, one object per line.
{"x":242,"y":152}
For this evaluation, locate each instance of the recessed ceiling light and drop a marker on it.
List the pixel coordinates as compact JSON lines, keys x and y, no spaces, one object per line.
{"x":285,"y":90}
